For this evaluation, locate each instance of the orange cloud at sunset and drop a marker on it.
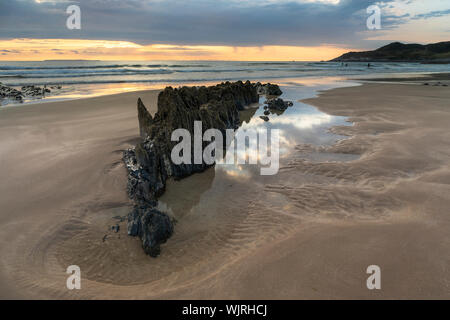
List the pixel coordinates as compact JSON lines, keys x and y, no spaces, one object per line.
{"x":49,"y":49}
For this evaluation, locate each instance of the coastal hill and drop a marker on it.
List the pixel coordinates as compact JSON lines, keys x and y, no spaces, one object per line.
{"x":400,"y":52}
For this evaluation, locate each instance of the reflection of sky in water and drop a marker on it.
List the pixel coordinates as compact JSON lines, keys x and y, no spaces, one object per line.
{"x":209,"y":192}
{"x":299,"y":124}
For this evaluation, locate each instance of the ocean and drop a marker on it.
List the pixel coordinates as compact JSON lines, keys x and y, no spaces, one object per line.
{"x":92,"y":78}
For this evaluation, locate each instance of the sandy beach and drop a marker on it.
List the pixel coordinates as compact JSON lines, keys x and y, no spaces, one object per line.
{"x":63,"y":186}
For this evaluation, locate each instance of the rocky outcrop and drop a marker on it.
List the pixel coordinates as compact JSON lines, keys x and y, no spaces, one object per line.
{"x":33,"y":91}
{"x":10,"y":93}
{"x":152,"y":226}
{"x":268,"y":89}
{"x":149,"y":164}
{"x":145,"y":119}
{"x":278,"y":104}
{"x":29,"y":91}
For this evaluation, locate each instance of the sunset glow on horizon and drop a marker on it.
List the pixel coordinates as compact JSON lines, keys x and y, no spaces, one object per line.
{"x":77,"y":49}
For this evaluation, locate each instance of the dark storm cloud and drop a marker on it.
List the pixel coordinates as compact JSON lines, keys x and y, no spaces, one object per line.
{"x":196,"y":22}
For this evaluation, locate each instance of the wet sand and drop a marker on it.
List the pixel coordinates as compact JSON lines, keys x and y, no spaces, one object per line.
{"x":60,"y":168}
{"x":309,"y":232}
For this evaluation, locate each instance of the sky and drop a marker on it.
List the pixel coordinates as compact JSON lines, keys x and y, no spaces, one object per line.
{"x":213,"y":29}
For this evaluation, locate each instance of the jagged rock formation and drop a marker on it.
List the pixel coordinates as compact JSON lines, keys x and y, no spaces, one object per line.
{"x":149,"y":164}
{"x":217,"y":107}
{"x":145,"y":119}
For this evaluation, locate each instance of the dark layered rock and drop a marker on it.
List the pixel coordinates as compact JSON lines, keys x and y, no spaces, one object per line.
{"x":145,"y":119}
{"x":152,"y":226}
{"x":149,"y":164}
{"x":268,"y":89}
{"x":278,"y":104}
{"x":217,"y":107}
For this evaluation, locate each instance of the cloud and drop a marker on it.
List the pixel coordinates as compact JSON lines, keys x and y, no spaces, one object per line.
{"x":432,"y":14}
{"x":5,"y":51}
{"x":207,"y":22}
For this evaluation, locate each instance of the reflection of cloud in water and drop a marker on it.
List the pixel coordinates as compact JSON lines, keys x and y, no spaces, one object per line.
{"x":234,"y":171}
{"x":299,"y":124}
{"x":304,"y":121}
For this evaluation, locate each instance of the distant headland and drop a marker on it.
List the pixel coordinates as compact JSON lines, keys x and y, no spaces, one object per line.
{"x":400,"y":52}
